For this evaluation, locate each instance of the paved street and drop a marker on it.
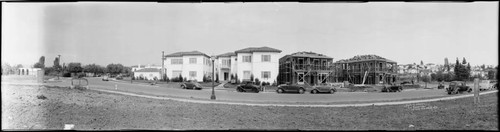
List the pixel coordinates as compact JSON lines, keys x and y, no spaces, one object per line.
{"x":96,"y":83}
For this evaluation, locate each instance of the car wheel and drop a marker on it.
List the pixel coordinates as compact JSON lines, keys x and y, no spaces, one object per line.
{"x":256,"y":90}
{"x":314,"y":91}
{"x":239,"y":89}
{"x":183,"y":87}
{"x":280,"y":90}
{"x":332,"y":91}
{"x":301,"y":90}
{"x":449,"y":92}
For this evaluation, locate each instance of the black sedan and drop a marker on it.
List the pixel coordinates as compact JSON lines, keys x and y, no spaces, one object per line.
{"x":323,"y":88}
{"x":191,"y":85}
{"x":293,"y":88}
{"x":248,"y":87}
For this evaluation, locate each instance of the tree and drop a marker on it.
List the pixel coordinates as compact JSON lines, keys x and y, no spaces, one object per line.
{"x":75,"y":67}
{"x":425,"y":79}
{"x":464,"y":61}
{"x":40,"y":63}
{"x":115,"y":69}
{"x":92,"y":68}
{"x":180,"y":78}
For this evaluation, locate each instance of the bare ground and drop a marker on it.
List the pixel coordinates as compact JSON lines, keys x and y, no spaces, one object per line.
{"x":93,"y":110}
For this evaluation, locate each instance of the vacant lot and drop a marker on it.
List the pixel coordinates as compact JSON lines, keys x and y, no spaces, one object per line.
{"x":40,"y":107}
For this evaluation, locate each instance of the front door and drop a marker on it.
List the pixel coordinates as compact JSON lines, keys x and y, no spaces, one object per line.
{"x":225,"y":76}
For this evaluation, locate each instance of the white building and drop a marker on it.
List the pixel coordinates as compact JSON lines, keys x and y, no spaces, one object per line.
{"x":192,"y":65}
{"x":226,"y":66}
{"x":139,"y":67}
{"x":147,"y":73}
{"x":261,"y":62}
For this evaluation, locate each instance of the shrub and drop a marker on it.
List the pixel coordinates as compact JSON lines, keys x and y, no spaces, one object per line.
{"x":257,"y":81}
{"x":251,"y":77}
{"x":80,"y":75}
{"x":205,"y":78}
{"x":155,"y":78}
{"x":274,"y":83}
{"x":133,"y":78}
{"x":217,"y":78}
{"x":145,"y":78}
{"x":66,"y":74}
{"x":185,"y":79}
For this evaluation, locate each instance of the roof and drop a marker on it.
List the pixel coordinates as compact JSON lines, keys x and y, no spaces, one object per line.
{"x":180,"y":54}
{"x":228,"y":54}
{"x":308,"y":55}
{"x":148,"y":70}
{"x":360,"y":58}
{"x":257,"y":49}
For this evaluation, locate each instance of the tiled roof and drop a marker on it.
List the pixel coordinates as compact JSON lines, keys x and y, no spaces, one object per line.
{"x":257,"y":49}
{"x":148,"y":70}
{"x":180,"y":54}
{"x":229,"y":54}
{"x":359,"y":58}
{"x":310,"y":55}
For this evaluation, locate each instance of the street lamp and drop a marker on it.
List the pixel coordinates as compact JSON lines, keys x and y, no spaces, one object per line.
{"x":213,"y":67}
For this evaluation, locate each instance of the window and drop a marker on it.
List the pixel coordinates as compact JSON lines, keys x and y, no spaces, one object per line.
{"x":192,"y":74}
{"x":266,"y":74}
{"x":247,"y":58}
{"x":226,"y":62}
{"x":266,"y":58}
{"x":176,"y":61}
{"x":246,"y":74}
{"x":176,"y":73}
{"x":192,"y":60}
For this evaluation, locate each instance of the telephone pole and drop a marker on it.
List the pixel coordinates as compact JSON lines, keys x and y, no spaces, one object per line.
{"x":162,"y":65}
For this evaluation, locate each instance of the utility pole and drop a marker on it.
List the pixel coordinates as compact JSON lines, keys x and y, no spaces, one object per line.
{"x":162,"y":65}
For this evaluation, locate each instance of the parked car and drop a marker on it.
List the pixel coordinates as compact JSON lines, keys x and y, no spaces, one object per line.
{"x":248,"y":87}
{"x":191,"y":85}
{"x":105,"y":78}
{"x":392,"y":88}
{"x":323,"y":88}
{"x":405,"y":83}
{"x":441,"y":85}
{"x":119,"y":77}
{"x":288,"y":87}
{"x":456,"y":87}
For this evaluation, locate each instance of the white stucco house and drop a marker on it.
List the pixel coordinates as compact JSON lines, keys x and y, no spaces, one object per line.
{"x":192,"y":65}
{"x":147,"y":73}
{"x":226,"y":66}
{"x":261,"y":62}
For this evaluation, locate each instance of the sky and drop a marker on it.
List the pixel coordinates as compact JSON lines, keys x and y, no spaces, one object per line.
{"x":132,"y":33}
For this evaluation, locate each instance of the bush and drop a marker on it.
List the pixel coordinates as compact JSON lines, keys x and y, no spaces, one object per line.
{"x":80,"y":75}
{"x":145,"y":78}
{"x":217,"y":78}
{"x":133,"y":78}
{"x":155,"y":78}
{"x":66,"y":74}
{"x":257,"y":81}
{"x":185,"y":79}
{"x":205,"y":78}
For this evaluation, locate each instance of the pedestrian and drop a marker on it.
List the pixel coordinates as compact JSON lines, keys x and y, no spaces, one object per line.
{"x":412,"y":82}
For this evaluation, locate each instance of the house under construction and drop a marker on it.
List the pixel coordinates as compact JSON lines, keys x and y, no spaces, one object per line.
{"x":306,"y":68}
{"x":366,"y":69}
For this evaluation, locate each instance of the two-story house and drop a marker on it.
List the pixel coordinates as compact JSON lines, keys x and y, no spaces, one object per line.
{"x":192,"y":65}
{"x":261,"y":62}
{"x":226,"y":66}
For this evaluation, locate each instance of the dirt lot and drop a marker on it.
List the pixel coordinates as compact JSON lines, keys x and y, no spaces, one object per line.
{"x":91,"y":110}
